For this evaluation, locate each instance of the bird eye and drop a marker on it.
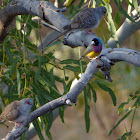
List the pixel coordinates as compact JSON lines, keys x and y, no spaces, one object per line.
{"x":28,"y":103}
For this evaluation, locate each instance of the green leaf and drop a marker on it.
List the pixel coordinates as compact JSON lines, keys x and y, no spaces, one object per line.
{"x":87,"y":97}
{"x":37,"y":74}
{"x":61,"y":113}
{"x":137,"y":92}
{"x":18,"y":82}
{"x":49,"y":135}
{"x":72,"y":61}
{"x":137,"y":103}
{"x":109,"y":90}
{"x":80,"y":4}
{"x":123,"y":11}
{"x":93,"y":93}
{"x":72,"y":68}
{"x":118,"y":17}
{"x":37,"y":127}
{"x":9,"y":54}
{"x":69,"y":2}
{"x":110,"y":23}
{"x":125,"y":135}
{"x":50,"y":121}
{"x":1,"y":63}
{"x":125,"y":116}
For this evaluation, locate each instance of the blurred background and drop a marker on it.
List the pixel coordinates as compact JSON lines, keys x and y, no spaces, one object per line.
{"x":103,"y":114}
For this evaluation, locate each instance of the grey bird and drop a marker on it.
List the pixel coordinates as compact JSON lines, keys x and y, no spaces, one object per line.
{"x":89,"y":18}
{"x":17,"y":111}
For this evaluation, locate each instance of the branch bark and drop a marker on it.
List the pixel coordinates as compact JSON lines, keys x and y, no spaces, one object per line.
{"x":43,"y":9}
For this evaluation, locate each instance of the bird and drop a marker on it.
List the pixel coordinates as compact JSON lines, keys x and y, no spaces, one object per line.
{"x":17,"y":111}
{"x":93,"y":50}
{"x":86,"y":19}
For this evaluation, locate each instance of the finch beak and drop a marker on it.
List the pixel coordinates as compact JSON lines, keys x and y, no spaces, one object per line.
{"x":93,"y":43}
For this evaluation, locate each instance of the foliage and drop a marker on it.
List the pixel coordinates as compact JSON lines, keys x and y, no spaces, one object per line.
{"x":29,"y":72}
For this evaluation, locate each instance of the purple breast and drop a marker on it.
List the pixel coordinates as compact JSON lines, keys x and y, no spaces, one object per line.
{"x":97,"y":49}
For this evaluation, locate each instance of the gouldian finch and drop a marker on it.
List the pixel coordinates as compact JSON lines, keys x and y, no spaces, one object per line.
{"x":93,"y":50}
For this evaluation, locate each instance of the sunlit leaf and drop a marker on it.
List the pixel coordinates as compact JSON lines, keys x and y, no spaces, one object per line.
{"x":135,"y":2}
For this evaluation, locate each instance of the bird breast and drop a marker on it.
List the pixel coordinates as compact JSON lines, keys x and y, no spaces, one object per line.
{"x":97,"y":49}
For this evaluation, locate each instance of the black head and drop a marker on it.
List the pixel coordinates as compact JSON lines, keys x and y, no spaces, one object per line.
{"x":96,"y":41}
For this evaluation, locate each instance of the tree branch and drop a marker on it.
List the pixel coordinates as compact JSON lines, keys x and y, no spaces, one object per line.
{"x":115,"y":55}
{"x":43,"y":9}
{"x":126,"y":29}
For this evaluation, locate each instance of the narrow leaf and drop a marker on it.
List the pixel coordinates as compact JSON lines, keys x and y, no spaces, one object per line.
{"x":135,"y":2}
{"x":123,"y":11}
{"x":72,"y":68}
{"x":87,"y":108}
{"x":37,"y":128}
{"x":109,"y":90}
{"x":93,"y":93}
{"x":37,"y":74}
{"x":18,"y":82}
{"x":61,"y":113}
{"x":125,"y":116}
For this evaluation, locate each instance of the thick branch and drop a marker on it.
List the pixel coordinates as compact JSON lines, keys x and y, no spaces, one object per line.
{"x":126,"y":29}
{"x":43,"y":9}
{"x":115,"y":55}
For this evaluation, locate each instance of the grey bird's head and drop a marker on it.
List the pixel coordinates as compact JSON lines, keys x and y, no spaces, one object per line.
{"x":17,"y":111}
{"x":103,"y":10}
{"x":26,"y":105}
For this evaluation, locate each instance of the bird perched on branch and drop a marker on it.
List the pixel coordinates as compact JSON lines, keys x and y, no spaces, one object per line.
{"x":93,"y":50}
{"x":89,"y":18}
{"x":17,"y":111}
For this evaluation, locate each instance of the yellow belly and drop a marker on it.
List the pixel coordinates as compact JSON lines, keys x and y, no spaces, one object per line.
{"x":92,"y":54}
